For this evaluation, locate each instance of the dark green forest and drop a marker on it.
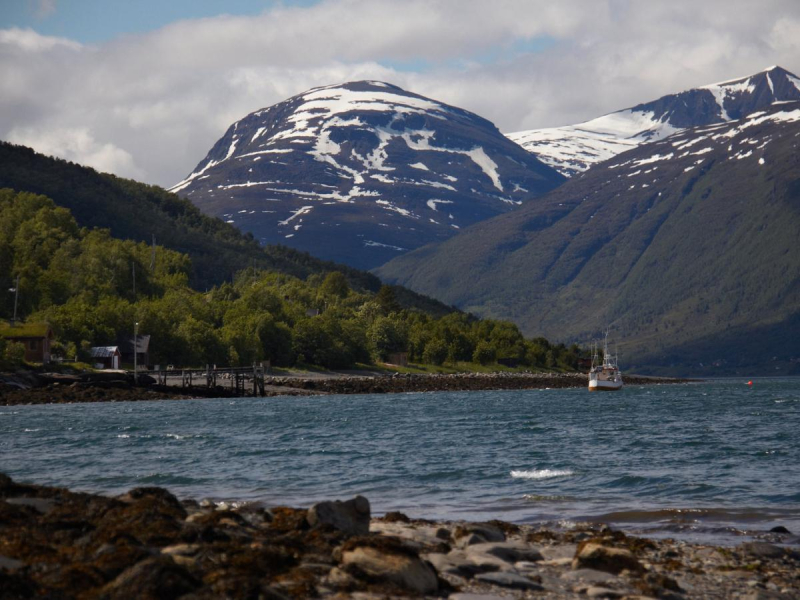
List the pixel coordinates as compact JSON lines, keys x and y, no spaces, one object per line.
{"x":81,"y":281}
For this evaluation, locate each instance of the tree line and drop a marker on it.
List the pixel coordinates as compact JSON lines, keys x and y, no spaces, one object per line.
{"x":92,"y":288}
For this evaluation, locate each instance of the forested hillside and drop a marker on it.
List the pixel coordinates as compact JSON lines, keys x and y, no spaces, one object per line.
{"x":80,"y":280}
{"x":136,"y":211}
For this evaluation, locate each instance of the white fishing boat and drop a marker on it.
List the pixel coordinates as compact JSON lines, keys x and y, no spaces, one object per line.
{"x":604,"y":376}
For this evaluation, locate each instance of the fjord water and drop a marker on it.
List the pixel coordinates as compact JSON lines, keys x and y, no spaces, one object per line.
{"x":708,"y":461}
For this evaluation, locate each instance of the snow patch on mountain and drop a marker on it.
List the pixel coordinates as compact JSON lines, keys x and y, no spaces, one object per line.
{"x":374,"y":244}
{"x":480,"y":158}
{"x":432,"y":204}
{"x":732,"y":141}
{"x":304,"y":210}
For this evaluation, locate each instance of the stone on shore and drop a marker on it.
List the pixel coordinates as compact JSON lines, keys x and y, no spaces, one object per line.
{"x":391,"y":560}
{"x":474,"y":533}
{"x":456,"y":563}
{"x":762,"y":550}
{"x":351,"y":516}
{"x":509,"y":580}
{"x":158,"y":577}
{"x":591,"y":555}
{"x":41,"y":505}
{"x":428,"y":538}
{"x":780,"y":529}
{"x":502,"y":554}
{"x":588,"y":576}
{"x":602,"y":592}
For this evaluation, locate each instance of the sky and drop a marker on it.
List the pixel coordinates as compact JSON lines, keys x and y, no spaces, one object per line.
{"x":144,"y":88}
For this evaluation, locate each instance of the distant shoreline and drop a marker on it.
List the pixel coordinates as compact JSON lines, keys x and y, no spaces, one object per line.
{"x":44,"y":389}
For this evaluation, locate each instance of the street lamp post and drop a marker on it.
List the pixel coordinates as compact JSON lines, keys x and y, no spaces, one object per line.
{"x":15,"y":289}
{"x":135,"y":352}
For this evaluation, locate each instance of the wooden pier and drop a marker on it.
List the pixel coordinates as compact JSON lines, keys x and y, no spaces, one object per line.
{"x":237,"y":381}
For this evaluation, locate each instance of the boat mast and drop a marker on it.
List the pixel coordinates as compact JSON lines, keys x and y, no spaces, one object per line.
{"x":608,"y":360}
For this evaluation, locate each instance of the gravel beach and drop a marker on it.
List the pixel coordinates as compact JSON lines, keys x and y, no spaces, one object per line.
{"x":148,"y":544}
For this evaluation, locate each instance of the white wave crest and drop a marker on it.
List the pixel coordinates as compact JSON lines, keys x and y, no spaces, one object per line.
{"x":541,"y":473}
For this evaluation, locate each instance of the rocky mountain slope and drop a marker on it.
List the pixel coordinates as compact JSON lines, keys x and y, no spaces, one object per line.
{"x":362,"y":172}
{"x":574,"y":148}
{"x":687,"y":245}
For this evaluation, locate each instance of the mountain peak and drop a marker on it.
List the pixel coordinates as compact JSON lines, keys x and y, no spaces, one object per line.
{"x":774,"y":83}
{"x":573,"y":149}
{"x":773,"y":70}
{"x":363,"y":170}
{"x":365,"y":84}
{"x":779,"y":69}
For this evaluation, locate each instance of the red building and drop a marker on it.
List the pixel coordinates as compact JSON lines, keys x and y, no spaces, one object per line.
{"x":106,"y":357}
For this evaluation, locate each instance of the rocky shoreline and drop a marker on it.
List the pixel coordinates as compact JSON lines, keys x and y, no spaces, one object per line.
{"x":148,"y":544}
{"x":31,"y":388}
{"x":401,"y":383}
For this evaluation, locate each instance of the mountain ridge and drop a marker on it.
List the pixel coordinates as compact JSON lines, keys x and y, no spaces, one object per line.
{"x":361,"y":171}
{"x":572,"y":149}
{"x":676,"y":241}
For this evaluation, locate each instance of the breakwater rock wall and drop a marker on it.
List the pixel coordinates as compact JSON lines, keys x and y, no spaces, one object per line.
{"x":400,"y":383}
{"x":48,"y":388}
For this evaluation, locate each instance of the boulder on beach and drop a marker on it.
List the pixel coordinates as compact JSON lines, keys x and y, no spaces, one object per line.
{"x":351,"y":516}
{"x":158,"y":577}
{"x":477,"y":533}
{"x":591,"y":555}
{"x":392,"y":561}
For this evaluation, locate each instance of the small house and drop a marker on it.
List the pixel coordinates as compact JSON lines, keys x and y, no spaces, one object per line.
{"x":142,"y":348}
{"x":398,"y":359}
{"x":36,"y":337}
{"x":106,"y":357}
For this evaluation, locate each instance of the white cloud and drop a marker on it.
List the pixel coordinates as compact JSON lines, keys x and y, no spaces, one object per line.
{"x":78,"y":145}
{"x":155,"y":103}
{"x":27,"y":40}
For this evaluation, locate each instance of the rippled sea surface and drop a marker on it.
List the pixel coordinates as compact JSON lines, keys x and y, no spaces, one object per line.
{"x":711,"y":461}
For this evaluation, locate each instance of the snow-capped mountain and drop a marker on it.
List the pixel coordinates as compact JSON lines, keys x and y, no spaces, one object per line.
{"x":362,"y":172}
{"x":574,"y":148}
{"x":687,"y":244}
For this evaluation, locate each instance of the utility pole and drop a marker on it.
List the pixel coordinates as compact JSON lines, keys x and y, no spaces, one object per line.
{"x":135,"y":352}
{"x":133,"y":269}
{"x":15,"y":289}
{"x":153,"y":255}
